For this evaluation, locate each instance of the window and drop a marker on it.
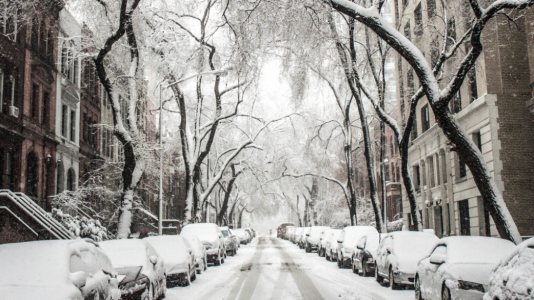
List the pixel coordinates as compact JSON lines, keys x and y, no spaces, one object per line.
{"x":35,"y":35}
{"x":473,"y":90}
{"x":59,"y":178}
{"x":438,"y":173}
{"x":418,"y":18}
{"x":425,"y":118}
{"x":12,"y":80}
{"x":50,"y":46}
{"x":46,"y":107}
{"x":451,"y":32}
{"x":72,"y":126}
{"x":431,"y":8}
{"x":456,"y":103}
{"x":477,"y":140}
{"x":407,"y":31}
{"x":9,"y":181}
{"x":32,"y":173}
{"x":42,"y":40}
{"x":1,"y":90}
{"x":64,"y":58}
{"x":440,"y":250}
{"x":417,"y":178}
{"x":434,"y":52}
{"x":70,"y":180}
{"x":414,"y":127}
{"x":465,"y":221}
{"x":64,"y":120}
{"x":34,"y":101}
{"x":462,"y":168}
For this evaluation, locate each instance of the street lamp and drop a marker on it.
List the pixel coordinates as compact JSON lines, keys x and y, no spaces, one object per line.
{"x":221,"y":73}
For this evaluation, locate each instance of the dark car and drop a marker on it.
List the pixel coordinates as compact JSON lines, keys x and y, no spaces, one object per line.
{"x":363,"y":260}
{"x":281,"y":230}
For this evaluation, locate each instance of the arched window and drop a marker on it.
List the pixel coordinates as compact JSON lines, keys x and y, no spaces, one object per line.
{"x":60,"y":178}
{"x":70,"y":180}
{"x":32,"y":174}
{"x":35,"y":35}
{"x":50,"y":46}
{"x":42,"y":40}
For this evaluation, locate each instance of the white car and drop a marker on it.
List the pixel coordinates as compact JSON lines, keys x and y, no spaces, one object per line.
{"x":347,"y":243}
{"x":200,"y":252}
{"x":398,"y":255}
{"x":513,"y":277}
{"x":60,"y":270}
{"x":140,"y":269}
{"x":322,"y":242}
{"x":331,"y":245}
{"x":313,"y":237}
{"x":296,"y":235}
{"x":211,"y":237}
{"x":290,"y":231}
{"x":178,"y":258}
{"x":459,"y":267}
{"x":242,"y":235}
{"x":303,"y":235}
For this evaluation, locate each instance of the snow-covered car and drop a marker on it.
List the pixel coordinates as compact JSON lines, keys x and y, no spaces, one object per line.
{"x":281,"y":230}
{"x":242,"y":235}
{"x":398,"y":255}
{"x":250,"y":233}
{"x":295,"y":237}
{"x":140,"y":269}
{"x":363,"y":259}
{"x":513,"y":277}
{"x":313,"y":237}
{"x":459,"y":267}
{"x":59,"y":270}
{"x":322,"y":242}
{"x":211,"y":237}
{"x":290,"y":230}
{"x":230,"y":241}
{"x":199,"y":251}
{"x":178,"y":258}
{"x":347,"y":243}
{"x":331,"y":244}
{"x":303,"y":236}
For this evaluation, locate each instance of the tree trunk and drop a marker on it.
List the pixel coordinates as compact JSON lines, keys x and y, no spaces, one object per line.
{"x":491,"y":195}
{"x":226,"y":200}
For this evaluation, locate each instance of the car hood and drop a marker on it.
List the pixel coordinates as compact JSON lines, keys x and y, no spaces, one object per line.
{"x":176,"y":264}
{"x":32,"y":292}
{"x":473,"y":272}
{"x":313,"y":240}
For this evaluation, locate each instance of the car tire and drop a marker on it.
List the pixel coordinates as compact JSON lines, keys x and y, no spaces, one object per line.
{"x":417,"y":288}
{"x":364,"y":271}
{"x":205,"y":262}
{"x":445,"y":293}
{"x":378,"y":278}
{"x":194,"y":277}
{"x":392,"y":284}
{"x":308,"y":249}
{"x":353,"y":267}
{"x":218,"y":260}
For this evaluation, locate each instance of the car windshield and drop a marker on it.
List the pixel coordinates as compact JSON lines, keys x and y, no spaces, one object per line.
{"x":124,"y":253}
{"x":414,"y":245}
{"x":225,"y":233}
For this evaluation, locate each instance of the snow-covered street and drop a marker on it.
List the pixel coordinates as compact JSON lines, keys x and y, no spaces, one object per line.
{"x":271,"y":268}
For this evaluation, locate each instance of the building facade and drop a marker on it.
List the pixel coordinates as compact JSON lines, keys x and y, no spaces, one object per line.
{"x":68,"y":103}
{"x":490,"y":108}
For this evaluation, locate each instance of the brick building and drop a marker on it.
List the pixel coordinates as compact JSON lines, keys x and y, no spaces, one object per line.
{"x":491,"y":109}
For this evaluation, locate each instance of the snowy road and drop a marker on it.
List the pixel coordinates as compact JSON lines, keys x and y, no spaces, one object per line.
{"x":270,"y":268}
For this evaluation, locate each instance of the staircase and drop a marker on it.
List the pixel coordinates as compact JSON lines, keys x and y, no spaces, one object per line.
{"x":24,"y":220}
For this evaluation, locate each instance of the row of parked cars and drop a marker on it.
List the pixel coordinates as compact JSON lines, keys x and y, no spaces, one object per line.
{"x":115,"y":269}
{"x":456,"y":267}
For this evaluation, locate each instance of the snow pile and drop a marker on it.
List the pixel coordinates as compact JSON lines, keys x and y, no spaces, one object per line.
{"x":82,"y":226}
{"x":395,"y":225}
{"x":513,"y":277}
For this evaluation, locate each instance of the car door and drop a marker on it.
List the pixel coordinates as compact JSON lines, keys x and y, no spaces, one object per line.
{"x":434,"y":273}
{"x":382,"y":265}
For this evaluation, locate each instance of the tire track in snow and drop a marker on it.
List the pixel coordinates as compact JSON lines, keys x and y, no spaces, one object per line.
{"x":305,"y":285}
{"x":247,"y":281}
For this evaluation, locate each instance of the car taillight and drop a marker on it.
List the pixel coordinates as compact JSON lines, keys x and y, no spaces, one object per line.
{"x":369,"y":259}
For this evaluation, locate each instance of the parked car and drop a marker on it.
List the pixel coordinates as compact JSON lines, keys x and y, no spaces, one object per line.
{"x":296,"y":235}
{"x":398,"y":255}
{"x":289,"y":231}
{"x":347,"y":243}
{"x":230,"y":241}
{"x":363,"y":260}
{"x":200,"y":253}
{"x":62,"y":270}
{"x":322,"y":242}
{"x":178,"y":258}
{"x":140,"y":269}
{"x":331,"y":244}
{"x":313,"y":237}
{"x":211,"y":237}
{"x":281,"y":230}
{"x":513,"y":277}
{"x":303,"y":235}
{"x":250,"y":233}
{"x":459,"y":267}
{"x":243,"y":236}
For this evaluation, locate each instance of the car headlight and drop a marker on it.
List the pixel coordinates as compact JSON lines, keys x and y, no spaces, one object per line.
{"x":467,"y":285}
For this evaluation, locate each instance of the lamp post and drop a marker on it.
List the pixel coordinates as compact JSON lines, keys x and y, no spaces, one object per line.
{"x":220,"y":73}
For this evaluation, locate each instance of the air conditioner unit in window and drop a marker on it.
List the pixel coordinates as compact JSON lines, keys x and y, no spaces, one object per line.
{"x":13,"y":111}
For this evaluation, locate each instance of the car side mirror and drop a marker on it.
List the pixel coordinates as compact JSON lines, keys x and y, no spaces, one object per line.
{"x":79,"y":279}
{"x":340,"y":241}
{"x":359,"y":247}
{"x":307,"y":234}
{"x":154,"y":259}
{"x":437,"y":259}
